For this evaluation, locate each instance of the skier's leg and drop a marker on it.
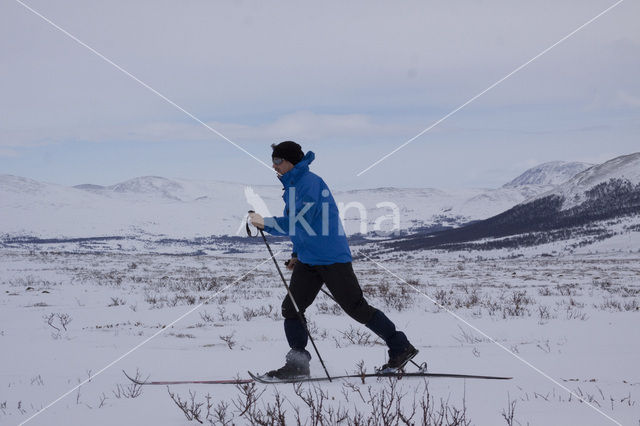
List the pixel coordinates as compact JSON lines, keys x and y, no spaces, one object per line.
{"x":396,"y":340}
{"x":305,"y":285}
{"x":344,"y":286}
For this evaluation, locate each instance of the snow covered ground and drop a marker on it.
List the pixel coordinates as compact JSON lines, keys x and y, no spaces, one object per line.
{"x":67,"y":317}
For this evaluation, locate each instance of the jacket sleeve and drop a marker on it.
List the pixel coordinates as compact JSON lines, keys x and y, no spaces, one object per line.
{"x":277,"y":225}
{"x":305,"y":194}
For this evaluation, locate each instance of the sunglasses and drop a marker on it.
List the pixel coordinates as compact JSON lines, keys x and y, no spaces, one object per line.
{"x":277,"y":161}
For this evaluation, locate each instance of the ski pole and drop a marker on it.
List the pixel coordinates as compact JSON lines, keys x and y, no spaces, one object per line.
{"x":295,"y":305}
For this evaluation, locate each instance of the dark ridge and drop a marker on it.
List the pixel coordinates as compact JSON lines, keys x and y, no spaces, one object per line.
{"x":537,"y":222}
{"x":89,"y":186}
{"x":36,"y":240}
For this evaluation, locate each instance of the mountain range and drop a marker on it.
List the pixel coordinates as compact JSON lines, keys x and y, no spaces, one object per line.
{"x":179,"y":208}
{"x":586,"y":208}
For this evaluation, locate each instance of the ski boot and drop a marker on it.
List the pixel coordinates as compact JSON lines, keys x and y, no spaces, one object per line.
{"x":296,"y":367}
{"x":397,"y":362}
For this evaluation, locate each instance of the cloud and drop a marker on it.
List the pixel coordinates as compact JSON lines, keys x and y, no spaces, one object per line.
{"x":8,"y":152}
{"x":359,"y":77}
{"x":310,"y":126}
{"x":626,"y":99}
{"x":230,"y":62}
{"x":302,"y":125}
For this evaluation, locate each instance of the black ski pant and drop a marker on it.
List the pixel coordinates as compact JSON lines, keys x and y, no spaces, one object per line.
{"x":342,"y":282}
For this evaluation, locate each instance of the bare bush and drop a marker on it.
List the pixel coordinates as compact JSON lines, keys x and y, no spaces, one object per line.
{"x":515,"y":306}
{"x":545,"y":291}
{"x":386,"y":403}
{"x":245,"y":401}
{"x":222,"y":313}
{"x":567,"y":289}
{"x":610,"y":305}
{"x":262,"y":311}
{"x":543,"y":313}
{"x":207,"y":317}
{"x":185,"y":299}
{"x":573,"y":313}
{"x":615,"y":305}
{"x":131,"y":390}
{"x":382,"y":289}
{"x":356,"y":336}
{"x":59,"y":322}
{"x":182,"y":335}
{"x":443,"y":297}
{"x":605,"y":285}
{"x":509,"y":414}
{"x":190,"y":407}
{"x":156,"y":301}
{"x":399,"y":299}
{"x":37,"y":380}
{"x":328,"y":308}
{"x":468,"y":337}
{"x":204,"y":284}
{"x":631,"y":306}
{"x":102,"y":399}
{"x":228,"y":339}
{"x":472,"y":299}
{"x":115,"y":301}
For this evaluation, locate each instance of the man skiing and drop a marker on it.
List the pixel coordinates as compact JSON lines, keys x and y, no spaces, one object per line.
{"x":321,"y":255}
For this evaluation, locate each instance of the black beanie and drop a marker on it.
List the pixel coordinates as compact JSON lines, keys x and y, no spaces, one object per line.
{"x":288,"y":150}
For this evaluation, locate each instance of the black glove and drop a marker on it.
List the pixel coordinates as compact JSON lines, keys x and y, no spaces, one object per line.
{"x":290,"y":263}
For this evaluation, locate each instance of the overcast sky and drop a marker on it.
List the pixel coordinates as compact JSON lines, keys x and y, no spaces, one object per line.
{"x":351,"y":81}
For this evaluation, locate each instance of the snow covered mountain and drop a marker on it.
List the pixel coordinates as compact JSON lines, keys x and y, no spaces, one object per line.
{"x":145,"y":205}
{"x":577,"y":190}
{"x":180,"y":208}
{"x":587,"y":206}
{"x":552,"y":173}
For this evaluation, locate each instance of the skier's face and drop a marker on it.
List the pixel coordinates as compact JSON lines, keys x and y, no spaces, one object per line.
{"x":283,"y":167}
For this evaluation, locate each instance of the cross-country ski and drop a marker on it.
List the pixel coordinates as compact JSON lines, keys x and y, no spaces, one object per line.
{"x":188,"y":382}
{"x":263,"y":378}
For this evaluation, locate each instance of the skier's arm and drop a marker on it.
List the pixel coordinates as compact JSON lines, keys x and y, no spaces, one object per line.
{"x":272,"y":225}
{"x":276,"y":225}
{"x":305,"y":195}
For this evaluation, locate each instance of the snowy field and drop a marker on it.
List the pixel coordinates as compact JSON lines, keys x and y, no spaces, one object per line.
{"x":69,"y":317}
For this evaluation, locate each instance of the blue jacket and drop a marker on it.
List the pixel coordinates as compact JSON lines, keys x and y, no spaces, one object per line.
{"x":310,"y":218}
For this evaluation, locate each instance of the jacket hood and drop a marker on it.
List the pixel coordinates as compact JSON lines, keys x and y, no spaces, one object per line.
{"x":298,"y":170}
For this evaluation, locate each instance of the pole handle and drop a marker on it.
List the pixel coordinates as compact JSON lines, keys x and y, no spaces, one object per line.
{"x":246,"y":225}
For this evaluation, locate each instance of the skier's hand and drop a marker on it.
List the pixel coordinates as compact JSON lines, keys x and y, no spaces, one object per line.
{"x":291,"y":263}
{"x":256,"y":220}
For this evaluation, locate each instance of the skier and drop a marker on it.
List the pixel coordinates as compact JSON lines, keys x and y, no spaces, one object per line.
{"x":320,"y":255}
